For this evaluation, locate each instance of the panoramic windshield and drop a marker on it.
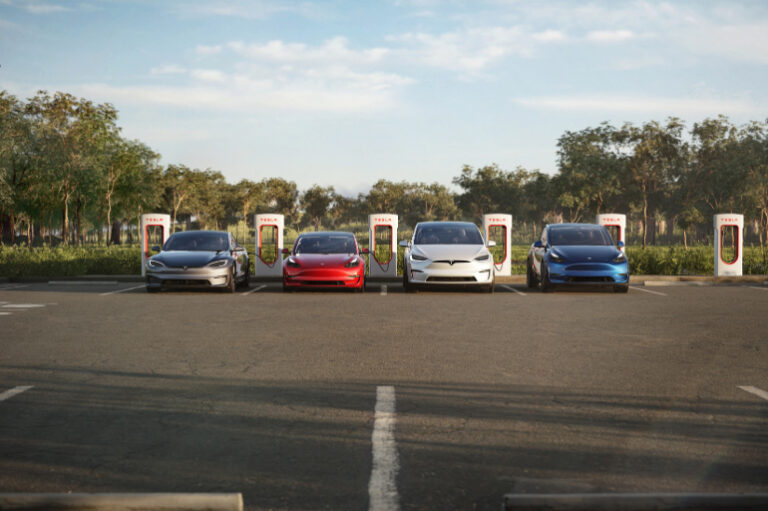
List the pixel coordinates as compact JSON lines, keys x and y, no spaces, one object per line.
{"x":197,"y":241}
{"x":448,"y":234}
{"x":330,"y":244}
{"x":587,"y":235}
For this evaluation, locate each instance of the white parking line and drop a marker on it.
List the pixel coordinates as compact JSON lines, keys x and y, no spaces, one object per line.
{"x":8,"y":287}
{"x":257,"y":288}
{"x":510,"y":288}
{"x":121,"y":290}
{"x":758,"y":287}
{"x":382,"y":489}
{"x":754,"y":390}
{"x":14,"y":391}
{"x":383,"y":291}
{"x":648,"y":291}
{"x":23,"y":305}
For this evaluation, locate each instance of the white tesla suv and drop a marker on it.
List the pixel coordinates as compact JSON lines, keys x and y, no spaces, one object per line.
{"x":447,"y":253}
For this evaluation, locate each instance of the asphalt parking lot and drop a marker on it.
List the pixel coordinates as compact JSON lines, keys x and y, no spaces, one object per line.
{"x":434,"y":400}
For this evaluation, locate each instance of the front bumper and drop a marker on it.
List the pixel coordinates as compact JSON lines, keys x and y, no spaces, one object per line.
{"x":589,"y":273}
{"x":443,"y":274}
{"x":331,"y":278}
{"x":189,"y":278}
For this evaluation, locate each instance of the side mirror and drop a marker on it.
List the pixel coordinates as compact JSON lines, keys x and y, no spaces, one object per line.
{"x":620,"y":244}
{"x":404,"y":243}
{"x":491,"y":243}
{"x":287,"y":251}
{"x":365,"y":251}
{"x":156,"y":248}
{"x":538,"y":244}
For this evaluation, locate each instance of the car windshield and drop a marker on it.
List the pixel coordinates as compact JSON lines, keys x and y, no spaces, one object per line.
{"x":587,"y":235}
{"x":325,"y":244}
{"x":448,"y":234}
{"x":197,"y":242}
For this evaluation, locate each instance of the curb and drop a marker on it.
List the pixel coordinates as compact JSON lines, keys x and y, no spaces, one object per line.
{"x":123,"y":501}
{"x":636,"y":501}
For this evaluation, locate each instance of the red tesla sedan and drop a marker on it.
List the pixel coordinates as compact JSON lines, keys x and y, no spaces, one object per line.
{"x":324,"y":259}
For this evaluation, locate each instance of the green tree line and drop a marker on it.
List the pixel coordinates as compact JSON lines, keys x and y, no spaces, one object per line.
{"x":67,"y":171}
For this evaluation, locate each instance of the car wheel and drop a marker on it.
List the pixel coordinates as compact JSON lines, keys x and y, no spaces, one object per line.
{"x":247,"y":278}
{"x":530,"y":277}
{"x":621,"y":288}
{"x":361,"y":289}
{"x":231,"y":283}
{"x":490,"y":287}
{"x":407,"y":286}
{"x":546,"y":284}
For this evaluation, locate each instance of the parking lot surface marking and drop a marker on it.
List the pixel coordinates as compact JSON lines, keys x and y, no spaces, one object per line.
{"x":255,"y":289}
{"x":754,"y":390}
{"x":659,"y":293}
{"x":23,"y":305}
{"x":383,"y":290}
{"x":121,"y":290}
{"x":14,"y":392}
{"x":758,"y":287}
{"x":8,"y":287}
{"x":507,"y":286}
{"x":382,"y":489}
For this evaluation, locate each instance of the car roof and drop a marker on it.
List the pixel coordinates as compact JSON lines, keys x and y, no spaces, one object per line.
{"x":198,"y":232}
{"x":573,"y":226}
{"x":327,"y":233}
{"x":446,"y":223}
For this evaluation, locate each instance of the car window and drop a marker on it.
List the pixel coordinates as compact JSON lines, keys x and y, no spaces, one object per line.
{"x":579,"y":236}
{"x":198,"y":241}
{"x":325,"y":245}
{"x":451,"y":234}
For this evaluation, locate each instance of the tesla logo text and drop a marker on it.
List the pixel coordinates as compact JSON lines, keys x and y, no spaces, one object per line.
{"x":733,"y":220}
{"x":147,"y":220}
{"x":496,"y":220}
{"x":381,"y":219}
{"x":606,"y":219}
{"x":267,"y":219}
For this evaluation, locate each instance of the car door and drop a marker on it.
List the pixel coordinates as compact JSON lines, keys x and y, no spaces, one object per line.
{"x":538,"y":252}
{"x":240,"y":255}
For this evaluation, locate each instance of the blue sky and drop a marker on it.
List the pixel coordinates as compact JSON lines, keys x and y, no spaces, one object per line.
{"x":344,"y":93}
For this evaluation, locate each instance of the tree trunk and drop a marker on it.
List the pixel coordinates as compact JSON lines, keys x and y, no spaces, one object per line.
{"x":114,"y":235}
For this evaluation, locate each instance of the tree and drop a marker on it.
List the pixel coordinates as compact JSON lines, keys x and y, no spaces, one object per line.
{"x":316,"y":203}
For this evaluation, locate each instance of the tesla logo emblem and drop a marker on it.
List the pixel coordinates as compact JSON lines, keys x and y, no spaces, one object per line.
{"x":451,"y":262}
{"x":185,"y":268}
{"x":589,"y":258}
{"x":610,"y":220}
{"x":729,"y":220}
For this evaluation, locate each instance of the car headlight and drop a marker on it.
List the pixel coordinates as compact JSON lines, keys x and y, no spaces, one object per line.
{"x":293,"y":263}
{"x":352,"y":262}
{"x":417,"y":257}
{"x":621,"y":258}
{"x":154,"y":264}
{"x":217,"y":264}
{"x":482,"y":257}
{"x":556,"y":258}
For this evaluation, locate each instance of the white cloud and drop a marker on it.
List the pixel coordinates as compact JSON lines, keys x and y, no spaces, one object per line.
{"x":549,"y":36}
{"x":208,"y":75}
{"x":610,"y":36}
{"x":250,"y":9}
{"x":41,"y":8}
{"x":745,"y":41}
{"x":334,"y":50}
{"x":639,"y":104}
{"x":205,"y":51}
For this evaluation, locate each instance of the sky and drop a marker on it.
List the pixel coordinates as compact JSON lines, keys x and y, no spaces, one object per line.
{"x":344,"y":93}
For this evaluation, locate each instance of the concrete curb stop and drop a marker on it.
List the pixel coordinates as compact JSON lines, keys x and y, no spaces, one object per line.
{"x":123,"y":501}
{"x":636,"y":501}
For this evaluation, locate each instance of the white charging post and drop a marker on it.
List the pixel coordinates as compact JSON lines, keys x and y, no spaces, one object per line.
{"x":498,"y":227}
{"x":155,"y":229}
{"x":269,"y":245}
{"x":382,"y":245}
{"x":729,"y":244}
{"x":616,"y":224}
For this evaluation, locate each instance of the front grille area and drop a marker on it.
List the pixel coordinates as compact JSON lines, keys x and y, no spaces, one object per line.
{"x":451,"y":279}
{"x":590,"y":279}
{"x":449,"y":262}
{"x":322,"y":282}
{"x":187,"y":282}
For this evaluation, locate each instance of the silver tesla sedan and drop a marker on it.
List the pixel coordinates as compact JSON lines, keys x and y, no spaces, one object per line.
{"x":203,"y":259}
{"x":447,"y":253}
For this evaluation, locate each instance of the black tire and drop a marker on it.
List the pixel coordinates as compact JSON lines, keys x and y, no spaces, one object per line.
{"x":546,"y":284}
{"x":491,"y":287}
{"x":361,"y":289}
{"x":231,"y":283}
{"x":407,"y":286}
{"x":621,"y":288}
{"x":246,"y":282}
{"x":530,"y":276}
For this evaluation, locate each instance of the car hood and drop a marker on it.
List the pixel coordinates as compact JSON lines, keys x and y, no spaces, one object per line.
{"x":454,"y":252}
{"x":192,"y":259}
{"x":322,"y":260}
{"x":587,"y":253}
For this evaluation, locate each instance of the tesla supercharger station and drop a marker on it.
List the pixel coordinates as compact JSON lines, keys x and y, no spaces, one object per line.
{"x":616,"y":224}
{"x":498,"y":227}
{"x":269,"y":245}
{"x":155,"y":228}
{"x":729,"y":244}
{"x":382,"y":245}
